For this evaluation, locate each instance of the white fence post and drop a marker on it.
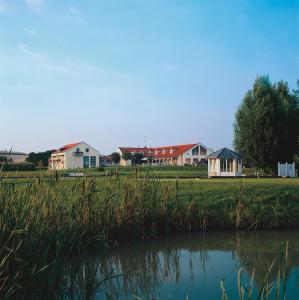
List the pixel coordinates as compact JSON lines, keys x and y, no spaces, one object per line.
{"x":278,"y":166}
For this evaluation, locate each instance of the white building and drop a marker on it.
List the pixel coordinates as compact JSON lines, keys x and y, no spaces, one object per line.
{"x":74,"y":156}
{"x":13,"y":156}
{"x":224,"y":163}
{"x":178,"y":155}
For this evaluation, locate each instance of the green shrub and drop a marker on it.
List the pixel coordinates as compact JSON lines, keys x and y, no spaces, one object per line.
{"x":100,"y":169}
{"x":17,"y":166}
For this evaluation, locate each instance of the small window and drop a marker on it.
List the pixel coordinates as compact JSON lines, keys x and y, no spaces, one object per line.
{"x":93,"y":162}
{"x":85,"y":161}
{"x":223,"y":165}
{"x":87,"y":150}
{"x":77,"y":149}
{"x":195,"y":151}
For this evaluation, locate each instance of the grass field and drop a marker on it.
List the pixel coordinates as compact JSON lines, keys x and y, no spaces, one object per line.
{"x":44,"y":221}
{"x":140,"y":171}
{"x":158,"y":171}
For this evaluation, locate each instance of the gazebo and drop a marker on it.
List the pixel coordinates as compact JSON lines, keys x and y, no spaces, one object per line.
{"x":224,"y":163}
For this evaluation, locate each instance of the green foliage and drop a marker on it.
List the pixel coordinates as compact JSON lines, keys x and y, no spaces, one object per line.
{"x":40,"y":159}
{"x":127,"y":156}
{"x":267,"y":124}
{"x":137,"y":157}
{"x":5,"y":159}
{"x":100,"y":169}
{"x":17,"y":166}
{"x":115,"y":157}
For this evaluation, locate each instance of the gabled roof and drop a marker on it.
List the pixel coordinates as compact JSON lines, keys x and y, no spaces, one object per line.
{"x":159,"y":152}
{"x":225,"y":153}
{"x":67,"y":147}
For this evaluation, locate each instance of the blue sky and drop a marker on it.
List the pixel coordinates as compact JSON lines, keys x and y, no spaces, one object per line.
{"x":112,"y":72}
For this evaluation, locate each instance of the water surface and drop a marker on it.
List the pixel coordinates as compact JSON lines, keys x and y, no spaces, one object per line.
{"x":185,"y":265}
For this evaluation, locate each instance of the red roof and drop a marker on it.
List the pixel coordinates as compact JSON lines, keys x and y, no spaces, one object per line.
{"x":66,"y":147}
{"x":160,"y":152}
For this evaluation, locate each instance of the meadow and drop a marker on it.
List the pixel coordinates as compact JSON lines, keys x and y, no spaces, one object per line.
{"x":45,"y":221}
{"x":140,"y":171}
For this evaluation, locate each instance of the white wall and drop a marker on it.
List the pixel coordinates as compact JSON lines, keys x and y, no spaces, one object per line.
{"x":188,"y":154}
{"x":75,"y":162}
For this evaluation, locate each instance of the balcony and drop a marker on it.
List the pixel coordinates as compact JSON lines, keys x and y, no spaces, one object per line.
{"x":78,"y":153}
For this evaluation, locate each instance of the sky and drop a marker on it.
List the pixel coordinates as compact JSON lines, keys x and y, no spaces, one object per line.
{"x":112,"y":72}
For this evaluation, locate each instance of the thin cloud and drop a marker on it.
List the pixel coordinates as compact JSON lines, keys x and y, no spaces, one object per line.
{"x":32,"y":33}
{"x":4,"y":6}
{"x":76,"y":14}
{"x":168,"y":67}
{"x":35,"y":5}
{"x":26,"y":50}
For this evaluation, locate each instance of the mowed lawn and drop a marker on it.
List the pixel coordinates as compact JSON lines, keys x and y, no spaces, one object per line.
{"x":216,"y":189}
{"x":141,"y":171}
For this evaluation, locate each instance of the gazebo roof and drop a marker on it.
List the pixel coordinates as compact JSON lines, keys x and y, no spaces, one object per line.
{"x":225,"y":153}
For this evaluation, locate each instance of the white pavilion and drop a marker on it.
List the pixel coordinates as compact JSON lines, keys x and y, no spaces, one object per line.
{"x":224,"y":163}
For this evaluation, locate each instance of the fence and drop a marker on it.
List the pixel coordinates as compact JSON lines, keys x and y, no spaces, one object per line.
{"x":286,"y":170}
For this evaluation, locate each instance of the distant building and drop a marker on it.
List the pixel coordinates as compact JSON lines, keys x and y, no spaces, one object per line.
{"x":224,"y":163}
{"x":16,"y":157}
{"x":74,"y":156}
{"x":106,"y":160}
{"x":179,"y":155}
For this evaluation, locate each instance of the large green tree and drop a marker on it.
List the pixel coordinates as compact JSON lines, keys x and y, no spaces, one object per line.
{"x":127,"y":156}
{"x":137,"y":158}
{"x":115,"y":156}
{"x":266,"y":124}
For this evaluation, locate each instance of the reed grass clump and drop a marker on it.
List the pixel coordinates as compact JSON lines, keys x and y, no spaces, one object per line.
{"x":273,"y":285}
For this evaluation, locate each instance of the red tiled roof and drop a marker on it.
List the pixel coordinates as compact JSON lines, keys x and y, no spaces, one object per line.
{"x":160,"y":152}
{"x":66,"y":147}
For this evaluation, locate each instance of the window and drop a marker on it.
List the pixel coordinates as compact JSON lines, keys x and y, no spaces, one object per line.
{"x":230,"y":166}
{"x":77,"y":149}
{"x":87,"y":150}
{"x":85,"y":161}
{"x":195,"y":151}
{"x":93,"y":162}
{"x":203,"y":151}
{"x":222,"y":165}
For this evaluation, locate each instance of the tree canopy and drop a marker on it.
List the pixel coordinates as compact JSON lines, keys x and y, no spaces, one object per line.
{"x":137,"y":157}
{"x":127,"y":156}
{"x":266,"y":127}
{"x":40,"y":158}
{"x":115,"y":157}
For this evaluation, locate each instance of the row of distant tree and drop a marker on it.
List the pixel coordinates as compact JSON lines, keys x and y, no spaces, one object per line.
{"x":40,"y":159}
{"x":266,"y":127}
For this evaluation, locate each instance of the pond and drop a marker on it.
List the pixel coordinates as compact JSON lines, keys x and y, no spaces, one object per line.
{"x":186,"y":266}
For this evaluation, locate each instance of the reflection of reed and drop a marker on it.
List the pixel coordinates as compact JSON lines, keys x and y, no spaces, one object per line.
{"x":145,"y":267}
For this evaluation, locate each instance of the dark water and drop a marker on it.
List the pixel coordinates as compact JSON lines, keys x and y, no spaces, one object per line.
{"x":185,"y":266}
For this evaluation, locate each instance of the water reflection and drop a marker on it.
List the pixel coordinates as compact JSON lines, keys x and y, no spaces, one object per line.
{"x":183,"y":265}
